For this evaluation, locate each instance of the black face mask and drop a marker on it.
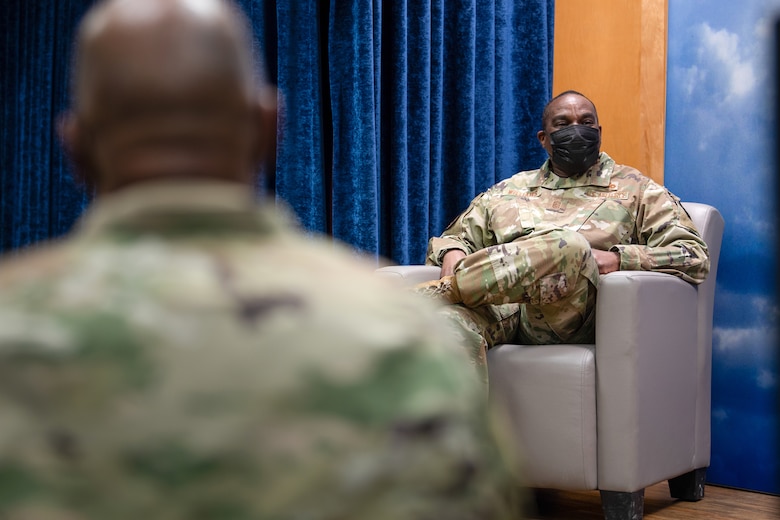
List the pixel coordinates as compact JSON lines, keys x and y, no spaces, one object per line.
{"x":575,"y":148}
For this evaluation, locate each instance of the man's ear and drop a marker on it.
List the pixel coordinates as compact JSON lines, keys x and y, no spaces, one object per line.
{"x":265,"y":116}
{"x":72,"y":136}
{"x":544,"y":140}
{"x":542,"y":136}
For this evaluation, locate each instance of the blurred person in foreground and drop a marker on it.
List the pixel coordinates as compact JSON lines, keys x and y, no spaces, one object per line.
{"x":186,"y":354}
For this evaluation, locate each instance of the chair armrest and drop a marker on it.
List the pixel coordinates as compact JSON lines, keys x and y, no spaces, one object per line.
{"x":409,"y":275}
{"x":648,"y":381}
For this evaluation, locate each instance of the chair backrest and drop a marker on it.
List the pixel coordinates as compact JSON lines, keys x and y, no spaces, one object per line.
{"x":710,"y":224}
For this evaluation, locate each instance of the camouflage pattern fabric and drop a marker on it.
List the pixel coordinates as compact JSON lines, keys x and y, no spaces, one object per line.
{"x":529,"y":241}
{"x":185,"y":355}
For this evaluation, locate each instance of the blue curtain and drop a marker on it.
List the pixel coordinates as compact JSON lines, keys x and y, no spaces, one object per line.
{"x":394,"y":113}
{"x":38,"y":196}
{"x":397,"y":112}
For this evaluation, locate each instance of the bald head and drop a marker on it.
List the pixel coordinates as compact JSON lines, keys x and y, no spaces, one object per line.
{"x":161,"y":43}
{"x":551,"y":105}
{"x":166,"y":88}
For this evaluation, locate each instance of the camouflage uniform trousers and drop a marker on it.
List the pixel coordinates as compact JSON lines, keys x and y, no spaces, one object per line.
{"x":539,"y":289}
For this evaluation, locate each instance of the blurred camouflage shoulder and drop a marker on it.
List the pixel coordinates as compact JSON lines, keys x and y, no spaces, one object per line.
{"x":222,"y":375}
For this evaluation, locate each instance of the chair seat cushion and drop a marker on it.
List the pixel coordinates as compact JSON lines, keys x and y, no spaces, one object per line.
{"x":556,"y":385}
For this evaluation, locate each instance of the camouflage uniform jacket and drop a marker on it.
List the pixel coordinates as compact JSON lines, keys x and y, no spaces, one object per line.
{"x":615,"y":207}
{"x":186,"y":355}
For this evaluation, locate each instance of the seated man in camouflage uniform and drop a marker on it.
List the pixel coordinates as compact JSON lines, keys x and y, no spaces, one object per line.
{"x":185,"y":354}
{"x":522,"y":263}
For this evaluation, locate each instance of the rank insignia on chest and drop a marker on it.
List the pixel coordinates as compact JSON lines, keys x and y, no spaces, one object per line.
{"x":557,"y":205}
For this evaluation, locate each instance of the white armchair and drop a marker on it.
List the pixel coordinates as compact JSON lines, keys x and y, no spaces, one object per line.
{"x":629,"y":411}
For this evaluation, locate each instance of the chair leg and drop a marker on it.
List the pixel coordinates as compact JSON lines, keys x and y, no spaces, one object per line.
{"x":623,"y":505}
{"x":690,"y":486}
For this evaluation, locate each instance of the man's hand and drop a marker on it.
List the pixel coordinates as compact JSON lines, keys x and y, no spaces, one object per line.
{"x":608,"y":261}
{"x":449,"y":260}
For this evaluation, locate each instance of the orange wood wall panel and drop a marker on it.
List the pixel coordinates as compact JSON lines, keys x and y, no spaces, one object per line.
{"x":614,"y":52}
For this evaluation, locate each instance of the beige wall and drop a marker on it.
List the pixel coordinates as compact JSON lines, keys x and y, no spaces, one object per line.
{"x":614,"y":51}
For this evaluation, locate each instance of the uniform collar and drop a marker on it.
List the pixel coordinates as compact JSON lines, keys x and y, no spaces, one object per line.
{"x":157,"y":205}
{"x":598,"y":175}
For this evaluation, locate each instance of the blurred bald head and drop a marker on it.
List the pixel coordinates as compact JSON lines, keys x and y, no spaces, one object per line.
{"x":167,"y":89}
